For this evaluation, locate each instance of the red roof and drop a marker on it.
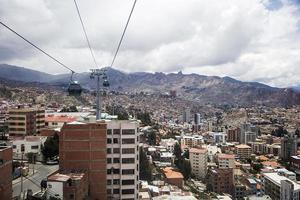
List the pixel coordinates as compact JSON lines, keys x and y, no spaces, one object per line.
{"x":197,"y":150}
{"x":226,"y":156}
{"x":171,"y":173}
{"x":61,"y":118}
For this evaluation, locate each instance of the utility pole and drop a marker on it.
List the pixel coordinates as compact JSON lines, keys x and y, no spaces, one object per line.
{"x":22,"y":154}
{"x":99,"y":74}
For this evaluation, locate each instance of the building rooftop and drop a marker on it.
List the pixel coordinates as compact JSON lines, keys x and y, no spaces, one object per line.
{"x":243,"y":146}
{"x":276,"y":178}
{"x":226,"y":156}
{"x":63,"y":177}
{"x":198,"y":150}
{"x":60,"y":118}
{"x":172,"y":173}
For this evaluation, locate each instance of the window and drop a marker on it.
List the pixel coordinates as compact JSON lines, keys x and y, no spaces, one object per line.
{"x":116,"y":181}
{"x":128,"y":182}
{"x":116,"y":191}
{"x":108,"y":151}
{"x":128,"y":151}
{"x":128,"y":132}
{"x":108,"y":132}
{"x":35,"y":147}
{"x":116,"y":171}
{"x":116,"y":141}
{"x":116,"y":131}
{"x":108,"y":191}
{"x":108,"y":171}
{"x":14,"y":146}
{"x":128,"y":191}
{"x":116,"y":150}
{"x":128,"y":141}
{"x":108,"y":182}
{"x":116,"y":160}
{"x":108,"y":140}
{"x":108,"y":160}
{"x":71,"y":196}
{"x":127,"y":171}
{"x":127,"y":160}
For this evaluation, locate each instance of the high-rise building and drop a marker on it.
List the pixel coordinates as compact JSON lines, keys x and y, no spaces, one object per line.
{"x":249,"y":133}
{"x":5,"y":172}
{"x":288,"y":147}
{"x":221,"y":180}
{"x":83,"y":147}
{"x":280,"y":187}
{"x":198,"y":158}
{"x":233,"y":135}
{"x":243,"y":151}
{"x":197,"y":121}
{"x":186,"y":115}
{"x":226,"y":160}
{"x":26,"y":121}
{"x":109,"y":151}
{"x":122,"y":159}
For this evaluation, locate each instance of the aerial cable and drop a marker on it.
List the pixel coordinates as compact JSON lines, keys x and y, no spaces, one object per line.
{"x":85,"y":33}
{"x":38,"y":48}
{"x":124,"y":31}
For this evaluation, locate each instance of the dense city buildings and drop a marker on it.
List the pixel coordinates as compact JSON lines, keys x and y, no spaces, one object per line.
{"x":26,"y":121}
{"x":5,"y":172}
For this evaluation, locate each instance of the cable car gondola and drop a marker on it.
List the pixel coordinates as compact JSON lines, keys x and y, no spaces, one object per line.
{"x":74,"y":88}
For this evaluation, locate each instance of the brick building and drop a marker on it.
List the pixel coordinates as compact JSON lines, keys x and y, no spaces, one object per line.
{"x":233,"y":135}
{"x":5,"y":172}
{"x":68,"y":185}
{"x":243,"y":151}
{"x":221,"y":180}
{"x":109,"y":151}
{"x":173,"y":177}
{"x":83,"y":147}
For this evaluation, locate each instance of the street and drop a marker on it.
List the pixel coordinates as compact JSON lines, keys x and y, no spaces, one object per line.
{"x":32,"y":181}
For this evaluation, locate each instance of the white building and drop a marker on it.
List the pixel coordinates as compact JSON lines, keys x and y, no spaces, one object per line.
{"x":226,"y":160}
{"x":168,"y":144}
{"x":122,"y":159}
{"x":198,"y":159}
{"x":280,"y":187}
{"x":192,"y":141}
{"x":219,"y":137}
{"x":32,"y":144}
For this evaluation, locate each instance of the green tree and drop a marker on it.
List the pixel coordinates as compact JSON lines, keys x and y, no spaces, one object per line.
{"x":145,"y":168}
{"x":50,"y":148}
{"x":145,"y":118}
{"x":151,"y":137}
{"x":186,"y":154}
{"x":177,"y":151}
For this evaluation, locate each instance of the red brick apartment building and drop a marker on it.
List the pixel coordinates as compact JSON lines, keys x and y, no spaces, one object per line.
{"x":83,"y":147}
{"x":5,"y":172}
{"x":220,"y":180}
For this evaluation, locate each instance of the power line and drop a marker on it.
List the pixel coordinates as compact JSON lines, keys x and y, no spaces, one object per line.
{"x":38,"y":48}
{"x":120,"y":42}
{"x":85,"y":33}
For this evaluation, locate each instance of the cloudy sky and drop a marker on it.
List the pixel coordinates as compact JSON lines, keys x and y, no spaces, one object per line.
{"x":250,"y":40}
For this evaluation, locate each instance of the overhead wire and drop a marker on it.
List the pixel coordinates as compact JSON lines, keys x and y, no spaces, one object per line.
{"x":85,"y":33}
{"x":123,"y":33}
{"x":35,"y":46}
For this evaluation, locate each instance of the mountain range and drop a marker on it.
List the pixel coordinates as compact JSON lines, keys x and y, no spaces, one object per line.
{"x":203,"y":89}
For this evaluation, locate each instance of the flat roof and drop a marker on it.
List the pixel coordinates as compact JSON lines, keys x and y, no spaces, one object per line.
{"x":276,"y":178}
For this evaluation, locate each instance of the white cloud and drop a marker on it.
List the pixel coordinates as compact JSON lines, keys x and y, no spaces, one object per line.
{"x":251,"y":40}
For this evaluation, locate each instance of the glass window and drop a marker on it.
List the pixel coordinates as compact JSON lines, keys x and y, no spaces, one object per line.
{"x":127,"y":171}
{"x":108,"y":140}
{"x":116,"y":141}
{"x":128,"y":141}
{"x":128,"y":132}
{"x":108,"y":151}
{"x":108,"y":132}
{"x":116,"y":160}
{"x":128,"y":151}
{"x":128,"y":182}
{"x":128,"y":191}
{"x":116,"y":131}
{"x":127,"y":160}
{"x":116,"y":150}
{"x":116,"y":191}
